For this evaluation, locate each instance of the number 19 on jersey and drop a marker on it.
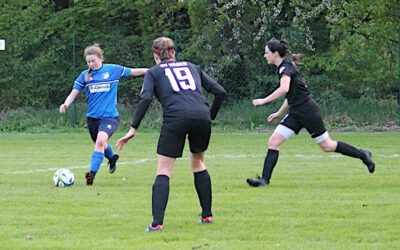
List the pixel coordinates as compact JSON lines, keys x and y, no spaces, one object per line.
{"x":180,"y":78}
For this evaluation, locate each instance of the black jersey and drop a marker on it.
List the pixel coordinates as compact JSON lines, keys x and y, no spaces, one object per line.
{"x":298,"y":93}
{"x":179,"y":88}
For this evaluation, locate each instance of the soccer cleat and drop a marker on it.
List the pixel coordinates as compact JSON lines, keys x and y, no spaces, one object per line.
{"x":367,"y":160}
{"x":113,"y":163}
{"x":257,"y":182}
{"x":206,"y":220}
{"x":150,"y":228}
{"x":89,"y":178}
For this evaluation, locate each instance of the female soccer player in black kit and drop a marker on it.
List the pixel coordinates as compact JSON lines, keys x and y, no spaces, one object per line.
{"x":303,"y":113}
{"x":179,"y":88}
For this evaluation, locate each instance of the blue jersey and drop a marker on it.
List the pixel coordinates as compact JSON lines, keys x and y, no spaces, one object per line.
{"x":101,"y":89}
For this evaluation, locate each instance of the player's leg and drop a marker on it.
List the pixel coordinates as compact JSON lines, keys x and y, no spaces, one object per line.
{"x":97,"y":157}
{"x":199,"y":138}
{"x":202,"y":183}
{"x":93,"y":127}
{"x":109,"y":126}
{"x":316,"y":128}
{"x":170,"y":146}
{"x":287,"y":128}
{"x":160,"y":192}
{"x":270,"y":160}
{"x":329,"y":145}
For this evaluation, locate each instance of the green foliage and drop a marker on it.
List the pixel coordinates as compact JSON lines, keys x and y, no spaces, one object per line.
{"x":352,"y":45}
{"x":360,"y":114}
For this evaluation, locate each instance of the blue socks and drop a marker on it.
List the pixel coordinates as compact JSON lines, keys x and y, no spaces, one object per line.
{"x":97,"y":159}
{"x":108,"y":153}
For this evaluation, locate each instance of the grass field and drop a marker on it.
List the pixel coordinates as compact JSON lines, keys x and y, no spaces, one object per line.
{"x":315,"y":201}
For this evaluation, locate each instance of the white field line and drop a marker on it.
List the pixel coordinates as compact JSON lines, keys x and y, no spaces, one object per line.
{"x":312,"y":156}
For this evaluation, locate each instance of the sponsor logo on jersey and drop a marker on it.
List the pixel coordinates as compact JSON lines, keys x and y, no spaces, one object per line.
{"x":281,"y":69}
{"x":105,"y":75}
{"x":99,"y":88}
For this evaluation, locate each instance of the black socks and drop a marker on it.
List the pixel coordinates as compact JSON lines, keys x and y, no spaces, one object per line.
{"x":159,"y":199}
{"x":269,"y":163}
{"x":346,"y":149}
{"x":202,"y":182}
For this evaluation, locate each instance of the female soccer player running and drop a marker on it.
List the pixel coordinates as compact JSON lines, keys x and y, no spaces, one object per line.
{"x":303,"y":113}
{"x":101,"y":84}
{"x":178,"y":86}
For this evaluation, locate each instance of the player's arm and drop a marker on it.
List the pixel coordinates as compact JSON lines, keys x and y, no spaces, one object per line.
{"x":70,"y":99}
{"x":216,"y":89}
{"x":282,"y":110}
{"x":279,"y":92}
{"x":146,"y":97}
{"x":138,"y":71}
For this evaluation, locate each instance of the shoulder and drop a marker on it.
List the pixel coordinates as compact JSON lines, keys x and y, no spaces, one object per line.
{"x":287,"y":67}
{"x":112,"y":66}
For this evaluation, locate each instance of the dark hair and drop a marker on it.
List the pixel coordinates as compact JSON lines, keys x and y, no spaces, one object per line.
{"x":282,"y":46}
{"x":164,"y":47}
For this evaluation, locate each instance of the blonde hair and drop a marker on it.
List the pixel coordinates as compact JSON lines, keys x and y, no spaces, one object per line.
{"x":93,"y":50}
{"x":164,"y":47}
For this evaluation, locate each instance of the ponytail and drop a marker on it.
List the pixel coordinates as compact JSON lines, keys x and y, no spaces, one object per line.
{"x":297,"y":58}
{"x":88,"y":75}
{"x":282,"y":46}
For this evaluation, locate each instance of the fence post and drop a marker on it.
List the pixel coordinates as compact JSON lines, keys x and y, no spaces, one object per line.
{"x":398,"y":76}
{"x":176,"y":46}
{"x":74,"y":71}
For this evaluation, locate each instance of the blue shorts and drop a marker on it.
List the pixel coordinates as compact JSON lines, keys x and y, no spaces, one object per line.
{"x":107,"y":125}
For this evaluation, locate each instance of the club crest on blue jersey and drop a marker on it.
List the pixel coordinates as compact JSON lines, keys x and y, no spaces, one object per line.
{"x":105,"y":75}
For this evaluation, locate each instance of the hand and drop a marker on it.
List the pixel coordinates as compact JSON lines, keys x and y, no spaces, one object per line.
{"x":273,"y":116}
{"x":63,"y":108}
{"x":122,"y":141}
{"x":257,"y":102}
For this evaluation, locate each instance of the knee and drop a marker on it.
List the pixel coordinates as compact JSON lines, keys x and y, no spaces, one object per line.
{"x":198,"y":166}
{"x":274,"y":143}
{"x":101,"y":144}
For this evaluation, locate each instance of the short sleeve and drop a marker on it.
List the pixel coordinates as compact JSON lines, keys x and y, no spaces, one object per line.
{"x":286,"y":69}
{"x":126,"y":72}
{"x":79,"y":83}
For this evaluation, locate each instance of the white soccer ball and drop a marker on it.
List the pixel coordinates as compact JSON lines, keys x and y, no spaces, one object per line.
{"x":63,"y":178}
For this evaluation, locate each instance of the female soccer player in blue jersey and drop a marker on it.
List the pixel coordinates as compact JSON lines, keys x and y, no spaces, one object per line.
{"x":303,"y":113}
{"x":100,"y":82}
{"x":179,"y":88}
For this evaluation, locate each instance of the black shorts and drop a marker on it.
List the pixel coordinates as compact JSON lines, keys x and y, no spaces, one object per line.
{"x":107,"y":125}
{"x":313,"y":123}
{"x":173,"y":136}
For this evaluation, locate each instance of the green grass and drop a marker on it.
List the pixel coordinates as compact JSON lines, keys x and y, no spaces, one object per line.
{"x":315,"y":201}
